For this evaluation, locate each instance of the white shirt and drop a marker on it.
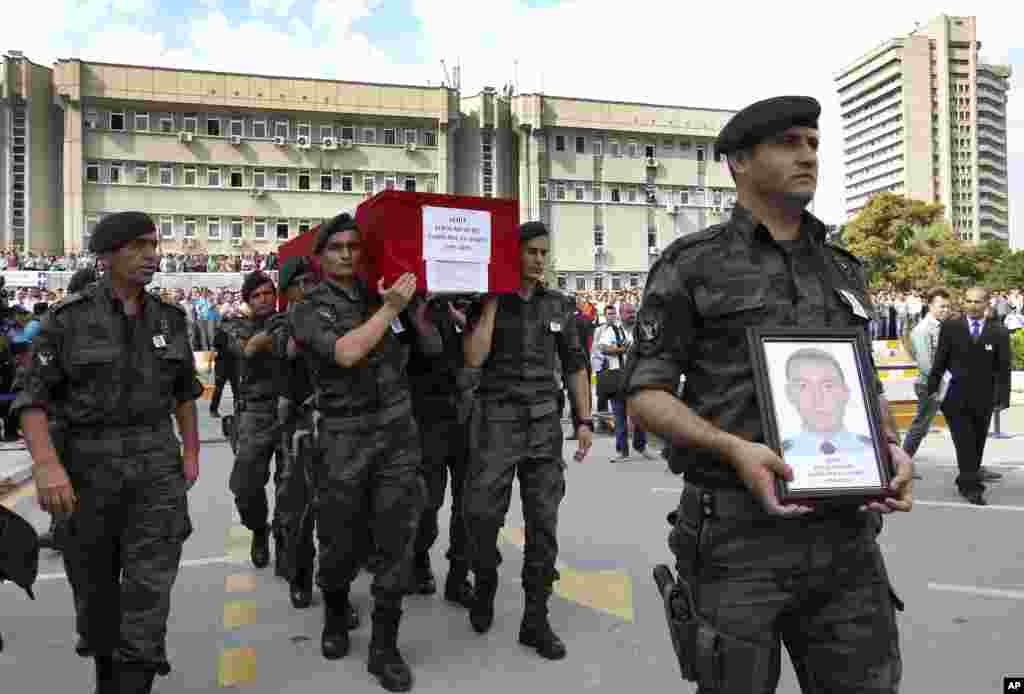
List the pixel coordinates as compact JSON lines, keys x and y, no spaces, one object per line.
{"x":607,"y":338}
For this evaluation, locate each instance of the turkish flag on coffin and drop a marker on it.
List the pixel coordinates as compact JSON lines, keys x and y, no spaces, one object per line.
{"x":452,"y":243}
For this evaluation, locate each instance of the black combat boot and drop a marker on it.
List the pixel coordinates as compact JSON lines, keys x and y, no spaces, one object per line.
{"x":105,"y":683}
{"x":423,"y":577}
{"x":457,"y":588}
{"x":334,"y":640}
{"x":260,"y":552}
{"x":301,"y":590}
{"x":481,"y":612}
{"x":385,"y":661}
{"x":132,"y":680}
{"x":535,"y":631}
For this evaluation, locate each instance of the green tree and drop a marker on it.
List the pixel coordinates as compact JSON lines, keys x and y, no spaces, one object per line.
{"x":1008,"y":272}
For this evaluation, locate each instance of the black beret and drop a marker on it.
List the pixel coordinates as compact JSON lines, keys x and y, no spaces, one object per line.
{"x":294,"y":267}
{"x":252,"y":281}
{"x":766,"y":118}
{"x":116,"y":230}
{"x":531,"y":230}
{"x":82,"y":279}
{"x":343,"y":222}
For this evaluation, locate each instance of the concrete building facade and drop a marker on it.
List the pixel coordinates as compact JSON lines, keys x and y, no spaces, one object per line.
{"x":30,"y":157}
{"x":923,"y":117}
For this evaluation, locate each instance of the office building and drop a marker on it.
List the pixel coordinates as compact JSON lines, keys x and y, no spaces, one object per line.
{"x":923,"y":116}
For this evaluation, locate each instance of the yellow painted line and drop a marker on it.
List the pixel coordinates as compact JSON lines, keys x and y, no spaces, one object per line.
{"x":11,"y":499}
{"x":237,"y":667}
{"x":607,"y":591}
{"x":240,"y":583}
{"x":239,"y":613}
{"x":239,"y":542}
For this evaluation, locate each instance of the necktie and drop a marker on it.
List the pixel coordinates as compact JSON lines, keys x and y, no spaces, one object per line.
{"x":827,"y":448}
{"x":975,"y":328}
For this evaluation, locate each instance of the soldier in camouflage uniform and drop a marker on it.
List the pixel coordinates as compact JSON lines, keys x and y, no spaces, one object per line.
{"x":251,"y":347}
{"x":111,"y":364}
{"x":759,"y":569}
{"x":367,"y":476}
{"x":516,"y":429}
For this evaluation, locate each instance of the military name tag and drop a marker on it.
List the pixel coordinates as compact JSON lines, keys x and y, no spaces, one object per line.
{"x":854,"y":303}
{"x":556,"y":327}
{"x":988,"y":348}
{"x":159,"y":342}
{"x":397,"y":327}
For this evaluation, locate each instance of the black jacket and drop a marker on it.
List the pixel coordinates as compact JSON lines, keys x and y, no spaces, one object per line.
{"x":980,"y":368}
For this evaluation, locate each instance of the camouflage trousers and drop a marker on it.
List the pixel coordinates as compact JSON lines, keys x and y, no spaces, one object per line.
{"x":506,"y":441}
{"x":369,"y":497}
{"x":293,"y":507}
{"x":126,"y":537}
{"x":817,"y":584}
{"x":258,"y":441}
{"x":444,"y":443}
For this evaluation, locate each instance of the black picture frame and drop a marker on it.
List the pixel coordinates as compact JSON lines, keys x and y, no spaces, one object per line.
{"x":854,"y":340}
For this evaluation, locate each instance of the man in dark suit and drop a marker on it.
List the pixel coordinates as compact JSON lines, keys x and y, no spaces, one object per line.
{"x":976,"y":352}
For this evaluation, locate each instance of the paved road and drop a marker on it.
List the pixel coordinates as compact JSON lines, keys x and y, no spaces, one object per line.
{"x":960,"y":569}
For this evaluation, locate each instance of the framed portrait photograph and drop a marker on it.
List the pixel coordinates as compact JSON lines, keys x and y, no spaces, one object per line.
{"x":820,"y":413}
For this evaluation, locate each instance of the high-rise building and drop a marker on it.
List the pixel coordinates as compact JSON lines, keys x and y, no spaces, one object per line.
{"x":30,"y":157}
{"x":924,"y":117}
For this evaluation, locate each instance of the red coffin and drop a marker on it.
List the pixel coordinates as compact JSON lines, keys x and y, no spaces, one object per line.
{"x":393,"y":233}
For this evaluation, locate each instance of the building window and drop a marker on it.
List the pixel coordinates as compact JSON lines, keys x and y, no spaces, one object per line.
{"x":652,"y":196}
{"x":596,"y":147}
{"x":431,"y":185}
{"x":189,"y":123}
{"x":303,"y":179}
{"x":615,"y":195}
{"x":237,"y":127}
{"x":167,"y":227}
{"x":410,"y":137}
{"x":560,"y":191}
{"x":282,"y":230}
{"x":652,"y":237}
{"x":581,"y":284}
{"x":389,"y":183}
{"x":259,"y":129}
{"x":370,"y":136}
{"x":166,"y":124}
{"x":598,"y":283}
{"x":543,"y":191}
{"x":281,"y":129}
{"x":236,"y":230}
{"x":281,"y":180}
{"x":213,"y":177}
{"x":700,"y":152}
{"x":563,"y":282}
{"x":631,"y":195}
{"x":634,"y":281}
{"x":579,"y":193}
{"x":142,"y":122}
{"x":634,"y":150}
{"x":92,"y":119}
{"x":213,"y":127}
{"x":487,"y":163}
{"x":429,"y":138}
{"x":410,"y":184}
{"x":389,"y":136}
{"x":190,"y":177}
{"x":116,"y":173}
{"x":142,"y":174}
{"x":599,"y":237}
{"x":166,"y":175}
{"x":237,"y":179}
{"x":190,"y":228}
{"x":613,"y":148}
{"x":581,"y":145}
{"x":649,"y":151}
{"x":259,"y":178}
{"x":559,"y":143}
{"x":259,"y":229}
{"x":595,"y":193}
{"x":326,"y":182}
{"x":326,"y":131}
{"x":616,"y":282}
{"x":92,"y":172}
{"x":346,"y":184}
{"x":213,"y":228}
{"x":303,"y":130}
{"x":348,"y":133}
{"x":369,"y":183}
{"x":117,"y":120}
{"x":684,"y":197}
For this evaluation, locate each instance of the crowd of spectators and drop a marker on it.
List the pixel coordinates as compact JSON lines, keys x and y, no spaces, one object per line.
{"x":170,"y":262}
{"x":896,"y":313}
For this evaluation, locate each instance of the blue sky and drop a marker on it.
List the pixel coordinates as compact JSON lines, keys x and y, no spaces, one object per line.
{"x":646,"y":50}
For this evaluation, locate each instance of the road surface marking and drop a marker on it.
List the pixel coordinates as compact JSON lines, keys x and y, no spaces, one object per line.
{"x":236,"y":666}
{"x":185,"y":564}
{"x":11,"y":500}
{"x":979,"y":591}
{"x":239,"y":613}
{"x":240,"y":583}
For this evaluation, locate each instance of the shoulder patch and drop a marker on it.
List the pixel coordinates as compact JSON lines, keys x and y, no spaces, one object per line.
{"x":684,"y":242}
